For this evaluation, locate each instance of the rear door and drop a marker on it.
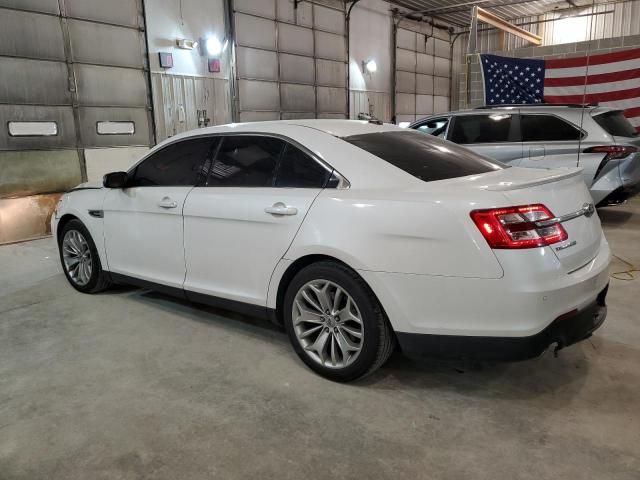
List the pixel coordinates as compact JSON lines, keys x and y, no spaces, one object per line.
{"x":553,"y":142}
{"x":549,"y":141}
{"x":492,"y":134}
{"x":242,"y":222}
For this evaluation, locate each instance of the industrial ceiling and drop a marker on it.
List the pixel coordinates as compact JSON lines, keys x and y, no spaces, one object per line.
{"x":458,"y":12}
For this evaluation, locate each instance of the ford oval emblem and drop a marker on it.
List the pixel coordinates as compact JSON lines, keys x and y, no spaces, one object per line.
{"x":589,"y":209}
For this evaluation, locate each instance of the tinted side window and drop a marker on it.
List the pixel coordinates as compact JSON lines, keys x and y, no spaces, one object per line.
{"x":496,"y":127}
{"x":178,"y":164}
{"x":423,"y":156}
{"x":615,"y":123}
{"x":246,"y":161}
{"x":297,"y":169}
{"x":538,"y":128}
{"x":436,"y":127}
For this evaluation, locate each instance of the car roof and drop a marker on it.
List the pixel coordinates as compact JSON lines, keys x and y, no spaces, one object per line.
{"x":525,"y":107}
{"x":337,"y":128}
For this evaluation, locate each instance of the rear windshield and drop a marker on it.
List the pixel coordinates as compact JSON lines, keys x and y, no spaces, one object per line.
{"x":616,"y":124}
{"x":423,"y":156}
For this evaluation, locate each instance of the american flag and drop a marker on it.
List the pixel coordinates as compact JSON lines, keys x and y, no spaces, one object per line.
{"x":611,"y":80}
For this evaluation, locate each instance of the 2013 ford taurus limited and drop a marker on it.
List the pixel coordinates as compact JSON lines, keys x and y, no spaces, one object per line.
{"x":356,"y":237}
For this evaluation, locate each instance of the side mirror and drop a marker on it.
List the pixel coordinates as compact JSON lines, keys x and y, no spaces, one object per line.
{"x":115,"y":180}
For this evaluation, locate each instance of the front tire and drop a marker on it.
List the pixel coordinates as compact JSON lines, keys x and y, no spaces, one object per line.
{"x":80,"y":260}
{"x":335,"y":323}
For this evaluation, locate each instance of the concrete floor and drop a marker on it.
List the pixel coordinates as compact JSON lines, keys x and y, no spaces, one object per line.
{"x":130,"y":384}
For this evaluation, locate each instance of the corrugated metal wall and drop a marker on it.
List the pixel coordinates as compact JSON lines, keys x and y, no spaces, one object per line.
{"x":423,"y":67}
{"x":74,"y":68}
{"x":611,"y":20}
{"x":290,"y":62}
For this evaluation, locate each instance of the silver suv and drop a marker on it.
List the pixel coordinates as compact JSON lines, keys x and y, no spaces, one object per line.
{"x":598,"y":139}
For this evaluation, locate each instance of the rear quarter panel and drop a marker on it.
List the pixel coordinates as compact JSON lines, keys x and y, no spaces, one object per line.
{"x":404,"y":232}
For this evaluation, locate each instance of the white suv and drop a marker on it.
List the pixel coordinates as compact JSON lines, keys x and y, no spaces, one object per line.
{"x":598,"y":139}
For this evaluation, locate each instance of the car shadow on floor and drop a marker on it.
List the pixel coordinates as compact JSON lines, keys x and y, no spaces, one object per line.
{"x":614,"y":216}
{"x":546,"y":375}
{"x":519,"y":380}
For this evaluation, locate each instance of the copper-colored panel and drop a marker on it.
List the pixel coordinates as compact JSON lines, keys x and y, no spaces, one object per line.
{"x":26,"y":218}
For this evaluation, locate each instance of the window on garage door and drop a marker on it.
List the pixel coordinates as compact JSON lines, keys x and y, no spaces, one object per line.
{"x":490,"y":128}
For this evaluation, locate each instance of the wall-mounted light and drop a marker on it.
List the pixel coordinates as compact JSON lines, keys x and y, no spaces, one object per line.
{"x":211,"y":46}
{"x":369,"y":66}
{"x":186,"y":44}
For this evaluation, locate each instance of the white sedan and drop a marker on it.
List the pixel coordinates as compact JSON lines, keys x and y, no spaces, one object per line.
{"x":355,"y":237}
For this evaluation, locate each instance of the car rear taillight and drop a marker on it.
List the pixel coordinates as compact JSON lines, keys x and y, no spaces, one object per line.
{"x":613,"y":152}
{"x":519,"y":227}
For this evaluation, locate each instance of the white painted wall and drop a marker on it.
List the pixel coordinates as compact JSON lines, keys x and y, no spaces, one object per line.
{"x":104,"y":160}
{"x":370,"y":38}
{"x":165,"y":24}
{"x":181,"y":91}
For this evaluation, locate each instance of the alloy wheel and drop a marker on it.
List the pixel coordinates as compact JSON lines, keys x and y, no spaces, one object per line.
{"x":77,"y":257}
{"x":327,"y":323}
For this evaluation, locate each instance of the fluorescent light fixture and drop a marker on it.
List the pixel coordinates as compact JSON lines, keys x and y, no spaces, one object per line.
{"x":186,"y":44}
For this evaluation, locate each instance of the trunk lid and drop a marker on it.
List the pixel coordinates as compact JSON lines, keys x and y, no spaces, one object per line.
{"x":564,"y":193}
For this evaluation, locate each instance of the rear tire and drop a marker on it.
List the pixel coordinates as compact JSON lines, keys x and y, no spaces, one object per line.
{"x":335,"y":323}
{"x":80,"y":260}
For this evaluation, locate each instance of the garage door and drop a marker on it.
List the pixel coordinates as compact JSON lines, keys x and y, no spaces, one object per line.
{"x":422,"y":74}
{"x":72,"y":75}
{"x":290,"y":62}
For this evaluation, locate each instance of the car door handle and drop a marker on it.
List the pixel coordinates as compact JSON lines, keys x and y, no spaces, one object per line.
{"x":280,"y":208}
{"x":166,"y":202}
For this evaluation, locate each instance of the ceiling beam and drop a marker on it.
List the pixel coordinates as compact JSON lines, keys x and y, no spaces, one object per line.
{"x":487,"y":17}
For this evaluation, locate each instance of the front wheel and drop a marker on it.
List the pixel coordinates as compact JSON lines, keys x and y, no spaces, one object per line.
{"x":80,"y":260}
{"x":335,"y":323}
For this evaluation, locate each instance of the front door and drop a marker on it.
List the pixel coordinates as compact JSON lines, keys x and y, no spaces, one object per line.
{"x":239,"y":226}
{"x":143,"y":222}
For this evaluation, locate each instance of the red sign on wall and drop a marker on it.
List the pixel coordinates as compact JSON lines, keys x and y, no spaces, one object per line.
{"x":166,"y":59}
{"x":214,"y":65}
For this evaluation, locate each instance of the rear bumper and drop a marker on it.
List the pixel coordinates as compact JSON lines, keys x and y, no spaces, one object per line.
{"x":565,"y":330}
{"x":620,"y":195}
{"x":533,"y":292}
